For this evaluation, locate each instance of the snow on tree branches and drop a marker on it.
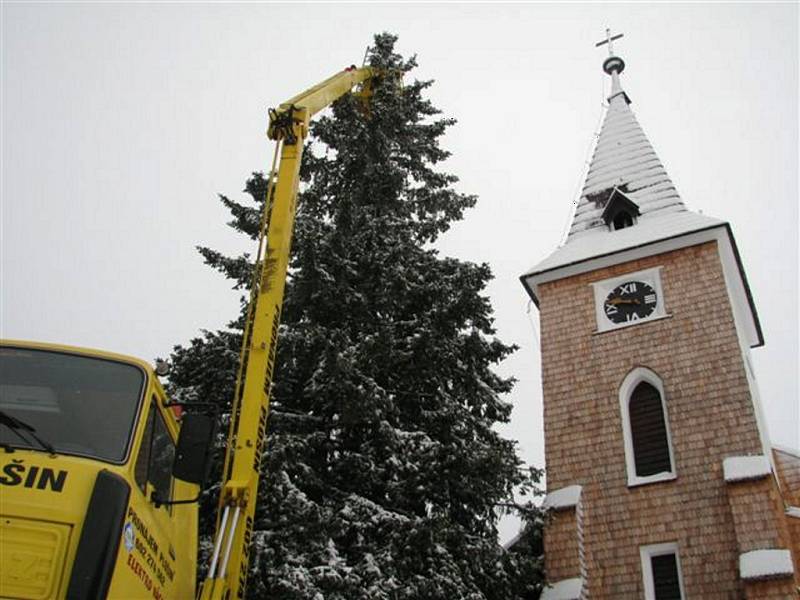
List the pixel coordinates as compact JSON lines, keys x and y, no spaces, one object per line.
{"x":383,"y":475}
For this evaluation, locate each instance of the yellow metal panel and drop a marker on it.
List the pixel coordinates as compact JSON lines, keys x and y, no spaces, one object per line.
{"x":242,"y":487}
{"x":316,"y":98}
{"x":157,"y":553}
{"x":91,"y":352}
{"x":31,"y":558}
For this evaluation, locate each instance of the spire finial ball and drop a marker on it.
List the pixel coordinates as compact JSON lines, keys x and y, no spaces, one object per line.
{"x":613,"y":64}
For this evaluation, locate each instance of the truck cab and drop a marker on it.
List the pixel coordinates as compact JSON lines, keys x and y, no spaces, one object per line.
{"x":87,"y":450}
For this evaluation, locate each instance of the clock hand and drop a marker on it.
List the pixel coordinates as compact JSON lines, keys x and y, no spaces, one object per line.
{"x":616,"y":301}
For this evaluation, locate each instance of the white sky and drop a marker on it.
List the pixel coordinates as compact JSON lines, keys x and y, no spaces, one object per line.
{"x":121,"y":122}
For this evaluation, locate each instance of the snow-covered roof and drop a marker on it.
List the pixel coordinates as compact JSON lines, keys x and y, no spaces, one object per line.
{"x":765,"y":564}
{"x":566,"y":497}
{"x":566,"y":589}
{"x":513,"y":541}
{"x":743,"y":468}
{"x":624,"y":158}
{"x":600,"y":241}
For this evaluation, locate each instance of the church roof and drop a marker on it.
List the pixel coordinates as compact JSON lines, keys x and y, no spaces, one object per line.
{"x":624,"y":159}
{"x":625,"y":170}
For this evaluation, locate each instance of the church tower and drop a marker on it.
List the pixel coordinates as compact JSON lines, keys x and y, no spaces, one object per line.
{"x":661,"y":480}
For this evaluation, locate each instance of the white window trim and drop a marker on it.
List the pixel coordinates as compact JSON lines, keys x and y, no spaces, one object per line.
{"x":632,"y":379}
{"x":648,"y":552}
{"x":601,"y":290}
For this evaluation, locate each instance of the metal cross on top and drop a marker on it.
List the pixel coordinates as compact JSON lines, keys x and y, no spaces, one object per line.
{"x":608,"y":40}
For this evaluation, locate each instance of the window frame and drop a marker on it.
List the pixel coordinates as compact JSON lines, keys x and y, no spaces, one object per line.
{"x":629,"y":384}
{"x":159,"y":416}
{"x":146,"y":450}
{"x":143,"y":455}
{"x":646,"y":554}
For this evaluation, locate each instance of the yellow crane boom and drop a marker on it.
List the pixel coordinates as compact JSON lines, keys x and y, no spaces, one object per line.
{"x":227,"y":574}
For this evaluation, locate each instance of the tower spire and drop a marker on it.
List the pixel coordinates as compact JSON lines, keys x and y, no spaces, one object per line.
{"x":624,"y":160}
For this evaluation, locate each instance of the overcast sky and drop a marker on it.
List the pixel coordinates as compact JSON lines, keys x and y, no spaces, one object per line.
{"x":121,"y":123}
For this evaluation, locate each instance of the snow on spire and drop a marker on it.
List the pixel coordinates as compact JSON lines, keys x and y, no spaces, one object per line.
{"x":624,"y":160}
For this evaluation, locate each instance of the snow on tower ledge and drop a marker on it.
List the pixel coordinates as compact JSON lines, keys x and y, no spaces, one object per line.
{"x":765,"y":564}
{"x":566,"y":497}
{"x":744,"y":468}
{"x":566,"y":589}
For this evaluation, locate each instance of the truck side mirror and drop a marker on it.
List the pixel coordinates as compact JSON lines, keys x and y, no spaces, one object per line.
{"x":194,"y":447}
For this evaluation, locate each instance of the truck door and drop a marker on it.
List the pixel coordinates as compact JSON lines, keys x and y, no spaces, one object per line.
{"x":149,"y":532}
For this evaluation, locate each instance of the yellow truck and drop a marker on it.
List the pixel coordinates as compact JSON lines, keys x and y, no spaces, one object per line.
{"x":100,"y":474}
{"x":89,"y":445}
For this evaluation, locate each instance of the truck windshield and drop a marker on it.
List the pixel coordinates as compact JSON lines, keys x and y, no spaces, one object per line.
{"x":80,"y":405}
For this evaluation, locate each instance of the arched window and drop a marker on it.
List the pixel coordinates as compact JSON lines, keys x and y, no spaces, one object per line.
{"x":648,"y":431}
{"x":648,"y":445}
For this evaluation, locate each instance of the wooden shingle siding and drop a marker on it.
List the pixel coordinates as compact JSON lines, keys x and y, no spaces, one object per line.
{"x":788,"y":466}
{"x":697,"y":356}
{"x":649,"y":431}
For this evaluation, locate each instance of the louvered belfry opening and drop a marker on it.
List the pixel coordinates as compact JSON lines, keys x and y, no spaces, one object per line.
{"x":648,"y":431}
{"x":665,"y":577}
{"x":622,"y":220}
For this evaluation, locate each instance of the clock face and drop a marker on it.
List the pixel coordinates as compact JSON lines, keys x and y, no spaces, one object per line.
{"x":630,"y":301}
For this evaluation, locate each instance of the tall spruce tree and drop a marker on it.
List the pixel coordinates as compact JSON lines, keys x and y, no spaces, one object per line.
{"x":383,"y":476}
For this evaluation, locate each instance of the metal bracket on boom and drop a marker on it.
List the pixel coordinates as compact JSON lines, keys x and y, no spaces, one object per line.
{"x":282,"y":124}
